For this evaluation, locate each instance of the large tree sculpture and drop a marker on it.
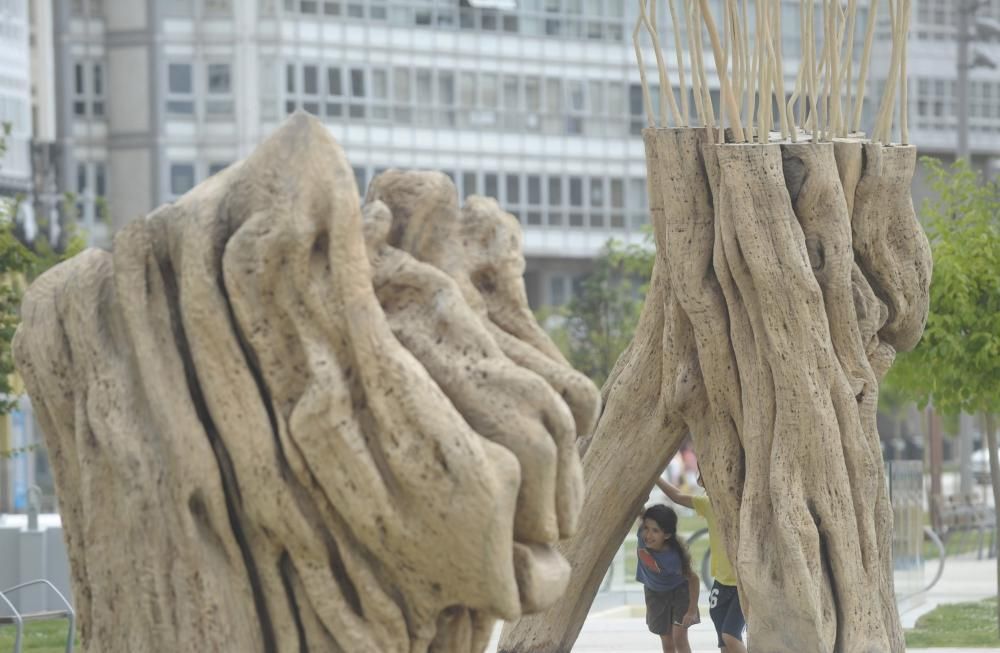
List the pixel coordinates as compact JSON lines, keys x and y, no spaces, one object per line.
{"x":279,"y":424}
{"x":790,"y":268}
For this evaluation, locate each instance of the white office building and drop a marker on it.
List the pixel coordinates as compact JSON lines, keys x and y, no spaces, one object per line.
{"x":15,"y":97}
{"x":535,"y":102}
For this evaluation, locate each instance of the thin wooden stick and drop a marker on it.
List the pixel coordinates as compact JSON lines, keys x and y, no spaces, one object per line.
{"x":725,"y":64}
{"x":848,"y":65}
{"x":779,"y":74}
{"x":666,"y":88}
{"x":797,"y":91}
{"x":680,"y":64}
{"x":748,"y":76}
{"x":733,"y":27}
{"x":883,"y":129}
{"x":728,"y":101}
{"x":642,"y":66}
{"x":904,"y":129}
{"x":695,"y":72}
{"x":859,"y":96}
{"x":706,"y":95}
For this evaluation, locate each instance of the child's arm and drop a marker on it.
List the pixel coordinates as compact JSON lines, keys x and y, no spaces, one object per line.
{"x":675,"y":494}
{"x":694,"y":585}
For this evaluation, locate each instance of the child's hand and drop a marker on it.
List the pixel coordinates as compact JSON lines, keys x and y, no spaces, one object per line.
{"x":691,"y":618}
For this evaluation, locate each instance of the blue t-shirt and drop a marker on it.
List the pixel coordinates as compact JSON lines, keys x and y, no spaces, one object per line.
{"x":660,"y":571}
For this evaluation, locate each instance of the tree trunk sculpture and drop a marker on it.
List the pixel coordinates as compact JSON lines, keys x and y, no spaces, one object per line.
{"x":787,"y":276}
{"x":279,"y":424}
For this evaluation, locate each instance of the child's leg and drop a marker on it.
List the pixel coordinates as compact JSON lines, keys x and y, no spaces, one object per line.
{"x":733,"y":644}
{"x":667,"y":642}
{"x":681,"y":644}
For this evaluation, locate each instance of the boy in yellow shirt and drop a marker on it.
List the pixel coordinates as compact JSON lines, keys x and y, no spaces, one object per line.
{"x":724,"y":600}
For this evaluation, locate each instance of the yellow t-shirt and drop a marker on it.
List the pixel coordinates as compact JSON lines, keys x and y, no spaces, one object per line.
{"x":721,"y":568}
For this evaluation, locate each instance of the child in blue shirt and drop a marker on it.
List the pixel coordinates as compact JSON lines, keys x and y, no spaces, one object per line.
{"x":671,"y":586}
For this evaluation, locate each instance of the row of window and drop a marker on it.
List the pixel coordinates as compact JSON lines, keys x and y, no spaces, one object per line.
{"x":184,"y":175}
{"x":14,"y":110}
{"x":580,"y":19}
{"x":934,"y":101}
{"x":549,"y":200}
{"x":537,"y":200}
{"x":473,"y":100}
{"x":211,"y":81}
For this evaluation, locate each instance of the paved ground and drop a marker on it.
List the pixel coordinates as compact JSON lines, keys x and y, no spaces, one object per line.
{"x":616,"y":624}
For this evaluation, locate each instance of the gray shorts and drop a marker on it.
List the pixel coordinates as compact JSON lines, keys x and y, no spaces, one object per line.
{"x":665,"y":609}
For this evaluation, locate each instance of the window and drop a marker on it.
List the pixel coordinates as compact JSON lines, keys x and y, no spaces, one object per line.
{"x":558,"y":294}
{"x":180,"y":90}
{"x":214,"y":168}
{"x":553,"y":123}
{"x":181,"y":178}
{"x":402,"y":96}
{"x":218,"y":7}
{"x":310,"y":88}
{"x":361,"y":178}
{"x":534,"y":211}
{"x":79,"y":91}
{"x":270,"y":98}
{"x":555,"y":202}
{"x":219,"y":101}
{"x":617,"y":203}
{"x":290,"y":87}
{"x":334,"y":92}
{"x":469,"y":184}
{"x":179,"y":8}
{"x":379,"y":94}
{"x":425,"y":96}
{"x":576,"y":201}
{"x":490,"y":185}
{"x":532,"y":103}
{"x":88,"y":89}
{"x":511,"y":103}
{"x":596,"y":200}
{"x":357,"y":107}
{"x":512,"y":195}
{"x":97,"y":101}
{"x":446,"y":98}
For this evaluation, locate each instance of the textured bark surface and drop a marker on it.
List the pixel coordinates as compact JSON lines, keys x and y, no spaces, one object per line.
{"x":281,"y":421}
{"x":786,"y":278}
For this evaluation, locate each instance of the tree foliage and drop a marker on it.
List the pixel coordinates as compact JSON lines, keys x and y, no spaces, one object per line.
{"x":597,"y":324}
{"x":957,"y":362}
{"x":20,"y":263}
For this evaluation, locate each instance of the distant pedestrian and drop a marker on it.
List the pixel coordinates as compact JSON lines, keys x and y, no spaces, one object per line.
{"x":724,"y":600}
{"x":671,"y":586}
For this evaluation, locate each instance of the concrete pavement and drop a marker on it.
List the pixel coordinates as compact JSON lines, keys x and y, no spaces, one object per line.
{"x":621,"y":628}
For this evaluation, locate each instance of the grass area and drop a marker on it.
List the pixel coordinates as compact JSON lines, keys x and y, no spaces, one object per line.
{"x":39,"y":637}
{"x":958,"y":624}
{"x":959,"y":543}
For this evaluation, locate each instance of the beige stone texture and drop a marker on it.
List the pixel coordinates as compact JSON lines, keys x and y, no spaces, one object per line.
{"x":283,"y":421}
{"x":777,"y":303}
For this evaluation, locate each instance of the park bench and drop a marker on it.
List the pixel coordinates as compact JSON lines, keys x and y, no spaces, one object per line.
{"x":18,"y":619}
{"x":962,"y":515}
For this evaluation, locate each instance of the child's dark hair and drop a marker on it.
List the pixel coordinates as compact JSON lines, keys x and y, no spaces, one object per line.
{"x":666,"y":519}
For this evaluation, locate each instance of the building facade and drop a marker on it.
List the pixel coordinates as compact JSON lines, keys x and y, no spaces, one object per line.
{"x":537,"y":104}
{"x":15,"y":98}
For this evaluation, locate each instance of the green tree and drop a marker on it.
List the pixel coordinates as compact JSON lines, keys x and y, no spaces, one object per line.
{"x":20,"y":263}
{"x":597,"y":324}
{"x":956,"y":365}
